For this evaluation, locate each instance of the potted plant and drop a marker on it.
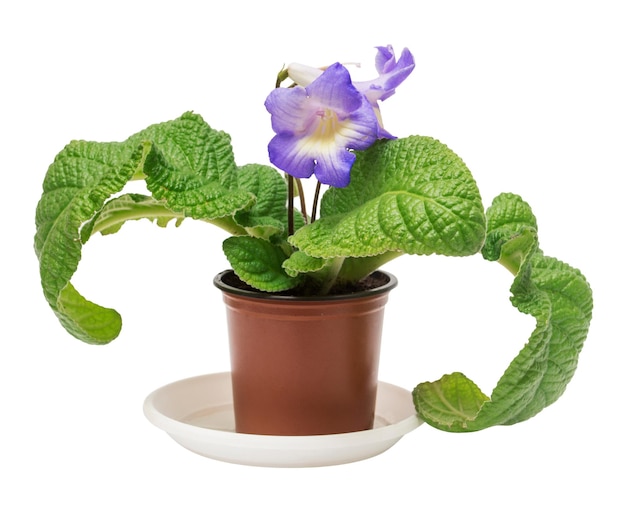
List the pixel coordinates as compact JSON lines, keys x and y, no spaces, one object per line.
{"x":385,"y":197}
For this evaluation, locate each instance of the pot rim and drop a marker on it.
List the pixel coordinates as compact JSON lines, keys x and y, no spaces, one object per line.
{"x":218,"y":281}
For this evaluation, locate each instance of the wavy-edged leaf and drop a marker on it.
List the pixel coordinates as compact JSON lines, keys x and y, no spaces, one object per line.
{"x":299,"y":263}
{"x":184,"y":161}
{"x":268,"y":216}
{"x":192,"y":168}
{"x":559,"y":298}
{"x":453,"y":400}
{"x":78,"y":183}
{"x":130,"y":206}
{"x":258,"y":263}
{"x":411,"y":195}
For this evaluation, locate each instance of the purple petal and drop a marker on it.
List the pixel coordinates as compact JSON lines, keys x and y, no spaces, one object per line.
{"x":318,"y":126}
{"x":391,"y":74}
{"x":384,"y":58}
{"x":334,"y":169}
{"x":285,"y":153}
{"x":397,"y":72}
{"x":286,"y":107}
{"x":335,"y":91}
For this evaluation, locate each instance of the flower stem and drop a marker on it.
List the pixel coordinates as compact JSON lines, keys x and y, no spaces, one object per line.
{"x":302,"y":200}
{"x":290,"y":225}
{"x":315,"y":200}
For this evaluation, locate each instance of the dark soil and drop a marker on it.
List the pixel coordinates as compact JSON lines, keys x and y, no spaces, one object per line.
{"x":372,"y":281}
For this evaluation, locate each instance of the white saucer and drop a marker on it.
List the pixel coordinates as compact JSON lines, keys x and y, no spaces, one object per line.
{"x":198,"y":414}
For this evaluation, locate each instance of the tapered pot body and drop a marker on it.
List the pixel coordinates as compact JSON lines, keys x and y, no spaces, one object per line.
{"x":304,"y":366}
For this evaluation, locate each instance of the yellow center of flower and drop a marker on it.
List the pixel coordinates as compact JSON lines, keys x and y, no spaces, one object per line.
{"x":327,"y":126}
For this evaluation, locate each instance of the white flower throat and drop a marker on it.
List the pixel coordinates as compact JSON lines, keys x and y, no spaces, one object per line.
{"x":327,"y":126}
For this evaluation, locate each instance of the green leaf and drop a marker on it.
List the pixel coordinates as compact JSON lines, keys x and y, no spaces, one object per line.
{"x":453,"y":400}
{"x":512,"y":231}
{"x":559,"y":298}
{"x":268,"y":215}
{"x":258,"y":263}
{"x":190,"y":170}
{"x":86,"y":320}
{"x":77,"y":184}
{"x":118,"y":211}
{"x":300,"y":262}
{"x":411,"y":195}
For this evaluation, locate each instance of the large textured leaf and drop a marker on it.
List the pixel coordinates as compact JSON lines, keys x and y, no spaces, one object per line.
{"x":559,"y":298}
{"x":188,"y":166}
{"x":192,"y":167}
{"x":268,"y":216}
{"x":410,"y":195}
{"x":77,"y":184}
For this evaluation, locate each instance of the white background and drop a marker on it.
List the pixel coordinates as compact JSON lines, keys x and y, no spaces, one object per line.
{"x":529,"y":94}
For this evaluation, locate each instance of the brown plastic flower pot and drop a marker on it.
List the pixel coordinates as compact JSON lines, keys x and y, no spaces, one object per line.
{"x":304,"y":366}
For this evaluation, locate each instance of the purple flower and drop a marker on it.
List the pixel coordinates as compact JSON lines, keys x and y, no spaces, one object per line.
{"x":391,"y":74}
{"x":318,"y":126}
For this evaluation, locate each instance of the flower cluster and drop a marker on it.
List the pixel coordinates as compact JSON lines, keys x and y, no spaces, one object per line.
{"x":325,"y":117}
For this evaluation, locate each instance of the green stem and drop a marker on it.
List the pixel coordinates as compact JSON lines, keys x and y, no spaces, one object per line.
{"x":511,"y":263}
{"x":227,"y":224}
{"x":156,"y":211}
{"x":354,"y":269}
{"x":118,"y":217}
{"x":517,"y":249}
{"x":331,"y":275}
{"x":282,"y":76}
